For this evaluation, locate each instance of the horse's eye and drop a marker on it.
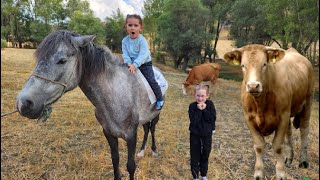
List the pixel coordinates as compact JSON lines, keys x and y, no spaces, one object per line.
{"x":62,"y":61}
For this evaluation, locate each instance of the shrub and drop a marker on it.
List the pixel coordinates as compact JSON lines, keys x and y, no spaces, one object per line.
{"x":3,"y":43}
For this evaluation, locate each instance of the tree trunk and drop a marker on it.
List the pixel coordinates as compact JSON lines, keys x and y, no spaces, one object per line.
{"x":177,"y":62}
{"x":216,"y":40}
{"x":314,"y":56}
{"x":185,"y":62}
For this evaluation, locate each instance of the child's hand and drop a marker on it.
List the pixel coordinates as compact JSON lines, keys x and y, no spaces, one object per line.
{"x":132,"y":69}
{"x":201,"y":106}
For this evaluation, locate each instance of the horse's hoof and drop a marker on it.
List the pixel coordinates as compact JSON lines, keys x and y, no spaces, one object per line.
{"x":140,"y":154}
{"x":154,"y":154}
{"x":304,"y":164}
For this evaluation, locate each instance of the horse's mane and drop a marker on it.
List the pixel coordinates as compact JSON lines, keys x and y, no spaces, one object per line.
{"x":96,"y":58}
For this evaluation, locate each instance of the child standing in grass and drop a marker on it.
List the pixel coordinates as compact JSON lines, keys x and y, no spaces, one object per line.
{"x":136,"y":54}
{"x":202,"y":114}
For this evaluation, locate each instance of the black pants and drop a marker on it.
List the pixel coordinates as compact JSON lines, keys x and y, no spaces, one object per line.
{"x":147,"y":71}
{"x":200,"y":148}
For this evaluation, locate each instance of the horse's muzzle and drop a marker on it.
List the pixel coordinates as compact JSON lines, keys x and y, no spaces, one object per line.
{"x":28,"y":108}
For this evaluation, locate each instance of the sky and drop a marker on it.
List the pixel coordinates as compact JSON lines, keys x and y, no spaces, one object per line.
{"x":105,"y":8}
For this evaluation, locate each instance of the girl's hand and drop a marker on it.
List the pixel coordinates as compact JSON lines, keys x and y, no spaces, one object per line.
{"x":201,"y":106}
{"x":132,"y":69}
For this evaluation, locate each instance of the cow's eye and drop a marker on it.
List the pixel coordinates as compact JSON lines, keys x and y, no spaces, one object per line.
{"x":265,"y":64}
{"x":62,"y":61}
{"x":242,"y":65}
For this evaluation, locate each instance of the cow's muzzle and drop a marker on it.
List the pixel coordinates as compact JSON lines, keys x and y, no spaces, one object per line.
{"x":254,"y":88}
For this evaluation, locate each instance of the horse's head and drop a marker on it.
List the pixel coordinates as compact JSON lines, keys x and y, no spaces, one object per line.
{"x":58,"y":70}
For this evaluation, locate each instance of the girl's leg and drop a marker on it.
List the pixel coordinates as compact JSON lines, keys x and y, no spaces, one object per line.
{"x":195,"y":152}
{"x":206,"y":149}
{"x":147,"y":71}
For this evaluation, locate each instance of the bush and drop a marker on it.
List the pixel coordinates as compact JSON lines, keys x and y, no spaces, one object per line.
{"x":161,"y":57}
{"x":3,"y":43}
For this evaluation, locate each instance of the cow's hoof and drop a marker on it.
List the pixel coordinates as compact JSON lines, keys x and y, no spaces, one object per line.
{"x":282,"y":176}
{"x":258,"y":175}
{"x":304,"y":164}
{"x":288,"y":162}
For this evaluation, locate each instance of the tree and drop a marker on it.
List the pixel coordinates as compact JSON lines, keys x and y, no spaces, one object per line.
{"x":218,"y":17}
{"x":248,"y":25}
{"x":181,"y":30}
{"x":115,"y":31}
{"x":152,"y":11}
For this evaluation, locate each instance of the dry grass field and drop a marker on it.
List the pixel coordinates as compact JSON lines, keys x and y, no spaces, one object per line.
{"x":71,"y":145}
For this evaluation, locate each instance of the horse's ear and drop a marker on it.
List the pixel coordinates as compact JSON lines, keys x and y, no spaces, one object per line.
{"x":82,"y":41}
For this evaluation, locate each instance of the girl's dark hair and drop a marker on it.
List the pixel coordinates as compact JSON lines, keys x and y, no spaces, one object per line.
{"x":136,"y":16}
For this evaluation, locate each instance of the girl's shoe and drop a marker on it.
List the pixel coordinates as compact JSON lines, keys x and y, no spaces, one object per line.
{"x":159,"y":105}
{"x":204,"y":178}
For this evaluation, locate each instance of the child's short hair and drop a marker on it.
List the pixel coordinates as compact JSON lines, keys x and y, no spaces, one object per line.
{"x":202,"y":86}
{"x":136,"y":16}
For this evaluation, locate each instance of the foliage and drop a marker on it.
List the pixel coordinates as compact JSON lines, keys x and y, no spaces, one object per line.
{"x":286,"y":22}
{"x":152,"y":11}
{"x":247,"y":24}
{"x":115,"y":31}
{"x":182,"y":30}
{"x":39,"y":31}
{"x":3,"y":43}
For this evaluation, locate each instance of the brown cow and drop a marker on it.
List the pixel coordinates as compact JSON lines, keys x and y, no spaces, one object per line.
{"x":203,"y":72}
{"x":277,"y":85}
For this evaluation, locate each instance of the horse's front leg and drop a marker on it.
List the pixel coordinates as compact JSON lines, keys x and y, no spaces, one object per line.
{"x":113,"y":143}
{"x":153,"y":131}
{"x":146,"y":128}
{"x":131,"y":145}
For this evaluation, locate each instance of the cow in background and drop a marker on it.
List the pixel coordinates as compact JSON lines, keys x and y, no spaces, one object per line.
{"x":203,"y":72}
{"x":277,"y":85}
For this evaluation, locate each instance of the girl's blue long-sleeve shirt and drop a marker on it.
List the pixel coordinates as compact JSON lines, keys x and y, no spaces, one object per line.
{"x":135,"y":51}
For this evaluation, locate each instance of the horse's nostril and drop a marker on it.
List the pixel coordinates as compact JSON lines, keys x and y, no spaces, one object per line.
{"x":29,"y":103}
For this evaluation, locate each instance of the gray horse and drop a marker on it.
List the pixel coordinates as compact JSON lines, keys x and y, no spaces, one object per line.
{"x":66,"y":60}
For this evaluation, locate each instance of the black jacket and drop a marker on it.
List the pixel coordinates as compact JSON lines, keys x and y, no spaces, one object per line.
{"x":202,"y":122}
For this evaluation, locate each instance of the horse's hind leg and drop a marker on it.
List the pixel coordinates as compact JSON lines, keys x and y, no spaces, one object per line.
{"x":153,"y":129}
{"x":146,"y":128}
{"x":113,"y":143}
{"x":131,"y":145}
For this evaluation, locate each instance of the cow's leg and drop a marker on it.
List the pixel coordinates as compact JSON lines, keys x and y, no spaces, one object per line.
{"x":146,"y":128}
{"x":113,"y":143}
{"x":153,"y":131}
{"x":304,"y":132}
{"x":258,"y":145}
{"x":288,"y":152}
{"x":131,"y":146}
{"x":277,"y":145}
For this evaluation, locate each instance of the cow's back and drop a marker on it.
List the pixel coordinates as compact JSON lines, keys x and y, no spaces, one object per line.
{"x":294,"y":73}
{"x":204,"y":72}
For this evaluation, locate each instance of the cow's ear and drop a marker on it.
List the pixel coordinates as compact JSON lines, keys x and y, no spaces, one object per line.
{"x":274,"y":54}
{"x":233,"y":57}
